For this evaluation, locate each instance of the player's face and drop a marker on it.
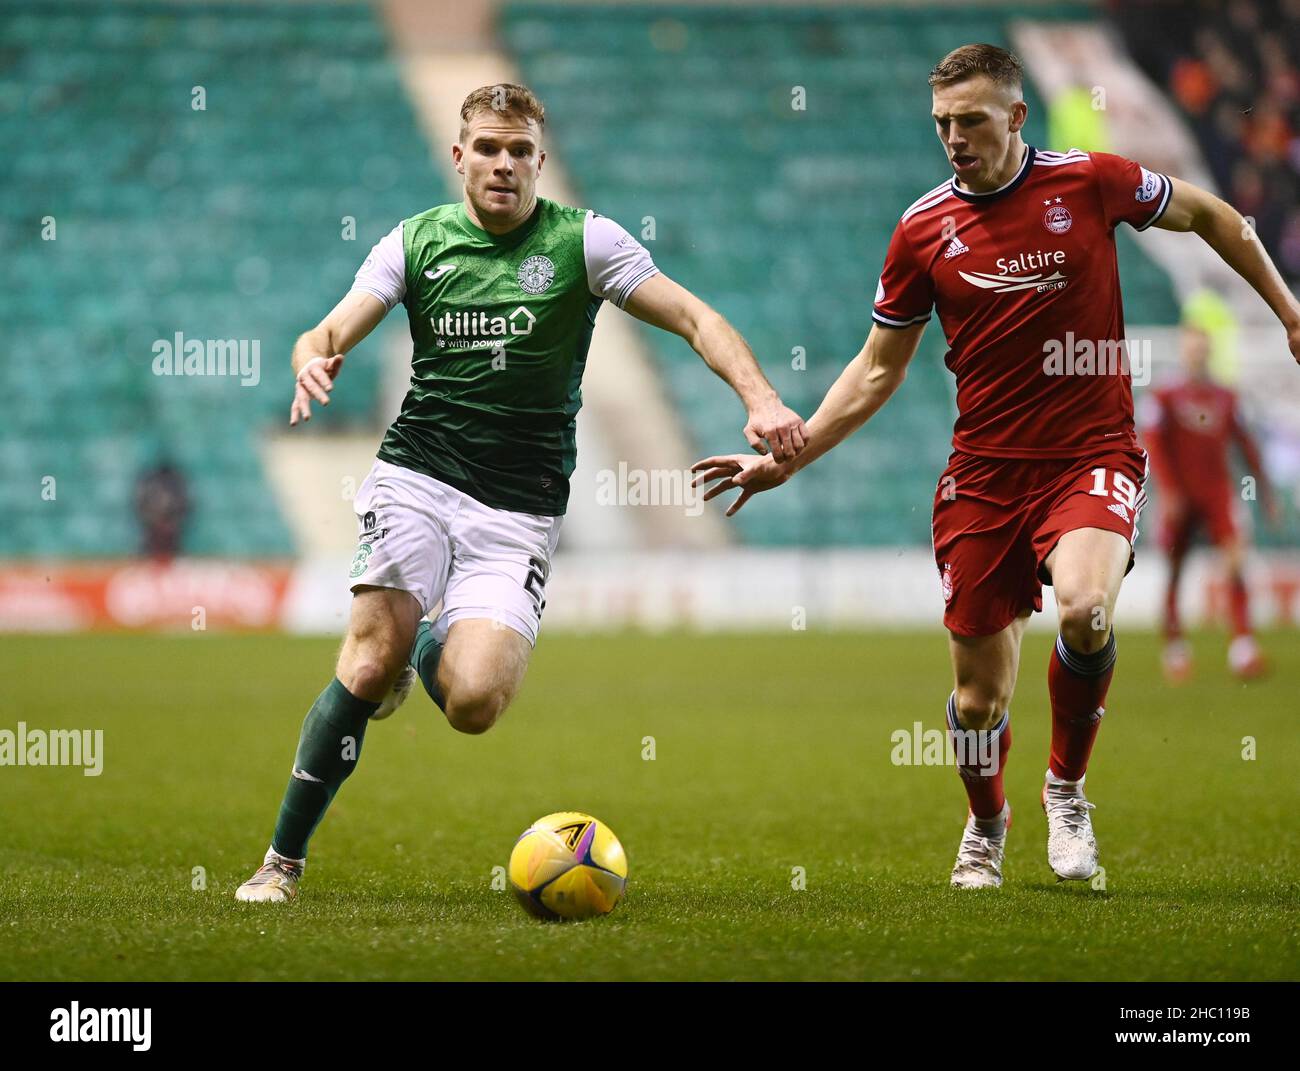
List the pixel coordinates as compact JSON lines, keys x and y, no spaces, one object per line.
{"x":500,"y":157}
{"x":1196,"y":353}
{"x":976,"y":119}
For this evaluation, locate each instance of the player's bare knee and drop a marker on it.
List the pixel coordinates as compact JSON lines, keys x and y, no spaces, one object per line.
{"x":979,"y":709}
{"x":367,"y":677}
{"x":1085,"y":619}
{"x":475,"y":710}
{"x":474,"y":716}
{"x":368,"y":665}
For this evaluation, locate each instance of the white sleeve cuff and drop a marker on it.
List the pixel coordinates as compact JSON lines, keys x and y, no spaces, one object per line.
{"x":616,"y":262}
{"x":1165,"y":194}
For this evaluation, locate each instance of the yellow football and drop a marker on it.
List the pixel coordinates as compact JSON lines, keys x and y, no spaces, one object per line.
{"x":568,"y":865}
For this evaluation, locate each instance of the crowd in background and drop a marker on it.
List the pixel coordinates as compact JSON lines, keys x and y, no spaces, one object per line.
{"x":1233,"y":67}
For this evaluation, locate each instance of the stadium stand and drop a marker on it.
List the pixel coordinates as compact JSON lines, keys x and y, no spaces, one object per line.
{"x":777,"y":215}
{"x":1234,"y":71}
{"x":222,"y":223}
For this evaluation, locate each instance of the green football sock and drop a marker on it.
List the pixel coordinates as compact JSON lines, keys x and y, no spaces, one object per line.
{"x":425,"y":656}
{"x":328,"y":750}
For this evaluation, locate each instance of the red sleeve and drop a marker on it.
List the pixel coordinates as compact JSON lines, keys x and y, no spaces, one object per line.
{"x":1129,"y":192}
{"x":1250,"y":451}
{"x":905,"y":294}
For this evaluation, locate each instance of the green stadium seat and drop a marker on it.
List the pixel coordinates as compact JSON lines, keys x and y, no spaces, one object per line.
{"x":163,"y":204}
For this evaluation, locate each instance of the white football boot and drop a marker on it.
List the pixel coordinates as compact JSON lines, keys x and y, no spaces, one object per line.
{"x":275,"y":882}
{"x":1245,"y":659}
{"x":1071,"y":845}
{"x":396,"y":694}
{"x":1176,"y":662}
{"x":979,"y":856}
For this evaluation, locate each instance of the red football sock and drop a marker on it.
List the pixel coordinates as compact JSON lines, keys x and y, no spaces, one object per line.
{"x":981,"y":771}
{"x":1173,"y":626}
{"x":1238,"y":605}
{"x":1077,"y":684}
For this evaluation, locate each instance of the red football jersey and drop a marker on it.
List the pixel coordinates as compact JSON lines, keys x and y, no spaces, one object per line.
{"x":1189,"y":426}
{"x":1026,"y":284}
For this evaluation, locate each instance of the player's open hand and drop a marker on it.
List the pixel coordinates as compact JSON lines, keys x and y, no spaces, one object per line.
{"x":750,"y":474}
{"x":315,"y":380}
{"x":780,"y":425}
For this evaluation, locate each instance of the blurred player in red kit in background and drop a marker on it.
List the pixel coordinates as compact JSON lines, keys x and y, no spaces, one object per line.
{"x":1189,"y":426}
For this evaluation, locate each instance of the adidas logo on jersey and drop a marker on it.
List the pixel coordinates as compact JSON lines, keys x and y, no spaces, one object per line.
{"x":1118,"y":509}
{"x":955,"y":247}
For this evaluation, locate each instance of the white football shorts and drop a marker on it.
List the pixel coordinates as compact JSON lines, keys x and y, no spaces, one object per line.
{"x":445,"y":547}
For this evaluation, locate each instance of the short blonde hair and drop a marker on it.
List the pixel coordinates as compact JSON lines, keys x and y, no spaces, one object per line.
{"x":996,"y":63}
{"x":504,"y":98}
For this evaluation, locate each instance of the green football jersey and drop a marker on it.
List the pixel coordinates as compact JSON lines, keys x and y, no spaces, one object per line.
{"x":500,"y":326}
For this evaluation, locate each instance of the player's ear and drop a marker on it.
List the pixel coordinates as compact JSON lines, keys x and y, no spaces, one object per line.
{"x":1019,"y":113}
{"x":458,"y":157}
{"x":541,"y":159}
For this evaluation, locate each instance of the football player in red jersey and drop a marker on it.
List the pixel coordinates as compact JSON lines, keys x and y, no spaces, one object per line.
{"x":1016,"y":253}
{"x":1189,"y":427}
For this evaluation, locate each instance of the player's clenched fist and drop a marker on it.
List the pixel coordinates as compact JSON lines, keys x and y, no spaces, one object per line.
{"x":781,"y":426}
{"x":315,"y":380}
{"x":750,"y":474}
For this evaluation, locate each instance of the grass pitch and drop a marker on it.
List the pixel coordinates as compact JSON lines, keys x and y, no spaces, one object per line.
{"x":771,"y":753}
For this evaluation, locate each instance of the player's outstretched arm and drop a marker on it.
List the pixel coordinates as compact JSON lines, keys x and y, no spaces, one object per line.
{"x":665,"y":304}
{"x":868,"y":381}
{"x":1226,"y":231}
{"x":318,"y":354}
{"x":1254,"y":459}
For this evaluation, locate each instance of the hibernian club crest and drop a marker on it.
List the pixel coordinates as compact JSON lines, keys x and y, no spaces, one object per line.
{"x":360,"y":559}
{"x":536,"y":275}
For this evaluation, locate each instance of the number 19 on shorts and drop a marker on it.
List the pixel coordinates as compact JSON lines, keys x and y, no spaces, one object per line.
{"x":1122,"y":489}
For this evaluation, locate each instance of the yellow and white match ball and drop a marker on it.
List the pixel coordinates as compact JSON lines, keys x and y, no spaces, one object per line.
{"x":568,"y":865}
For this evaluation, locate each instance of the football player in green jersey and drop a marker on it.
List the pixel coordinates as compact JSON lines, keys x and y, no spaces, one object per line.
{"x":461,"y":511}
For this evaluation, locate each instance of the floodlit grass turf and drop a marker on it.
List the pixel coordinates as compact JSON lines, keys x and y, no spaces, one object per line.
{"x":772,"y":752}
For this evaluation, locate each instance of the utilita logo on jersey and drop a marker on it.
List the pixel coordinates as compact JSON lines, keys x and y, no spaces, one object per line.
{"x":1018,"y":273}
{"x":480,"y":330}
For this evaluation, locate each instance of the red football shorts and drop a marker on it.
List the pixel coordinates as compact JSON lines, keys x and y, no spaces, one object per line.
{"x":997,"y":519}
{"x":1214,"y":512}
